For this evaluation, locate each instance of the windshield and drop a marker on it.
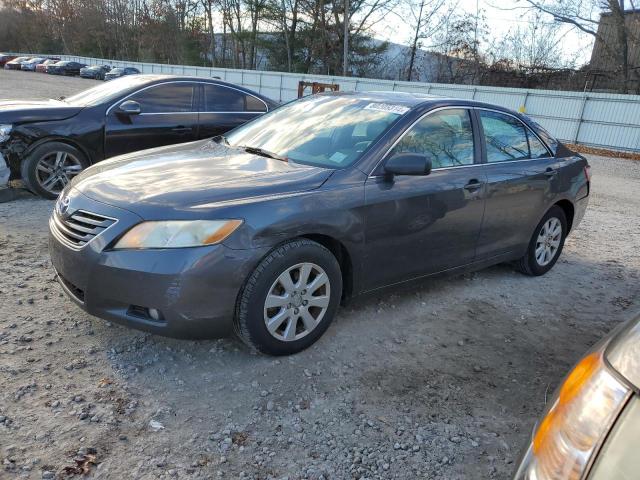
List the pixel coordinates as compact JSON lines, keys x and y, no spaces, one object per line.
{"x":331,"y":131}
{"x":117,"y":70}
{"x":105,"y":91}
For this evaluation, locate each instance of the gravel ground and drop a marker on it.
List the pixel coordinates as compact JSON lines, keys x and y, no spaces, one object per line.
{"x":443,"y":380}
{"x":16,"y":84}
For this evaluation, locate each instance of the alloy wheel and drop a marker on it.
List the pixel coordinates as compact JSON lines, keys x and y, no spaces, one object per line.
{"x":548,"y":241}
{"x":297,"y":301}
{"x":56,"y":169}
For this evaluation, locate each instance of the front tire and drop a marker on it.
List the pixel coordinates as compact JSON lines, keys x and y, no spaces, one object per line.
{"x":290,"y":299}
{"x":546,"y":244}
{"x":50,"y":167}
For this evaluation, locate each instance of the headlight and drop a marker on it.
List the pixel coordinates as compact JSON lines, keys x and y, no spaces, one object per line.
{"x":5,"y":130}
{"x":178,"y":234}
{"x":583,"y":410}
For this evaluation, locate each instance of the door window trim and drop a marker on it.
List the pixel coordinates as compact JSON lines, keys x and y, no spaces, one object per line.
{"x":480,"y":130}
{"x":199,"y":82}
{"x":435,"y":110}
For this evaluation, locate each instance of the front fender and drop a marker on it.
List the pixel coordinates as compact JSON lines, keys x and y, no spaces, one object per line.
{"x":25,"y":138}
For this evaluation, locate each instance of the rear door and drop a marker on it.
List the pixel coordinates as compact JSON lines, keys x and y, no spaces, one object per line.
{"x":520,"y":172}
{"x":419,"y":225}
{"x":168,"y":115}
{"x":224,"y":108}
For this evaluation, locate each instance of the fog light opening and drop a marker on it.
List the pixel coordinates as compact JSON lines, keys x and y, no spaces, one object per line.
{"x":145,"y":313}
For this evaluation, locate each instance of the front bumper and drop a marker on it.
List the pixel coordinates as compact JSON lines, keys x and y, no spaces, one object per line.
{"x":194,"y":289}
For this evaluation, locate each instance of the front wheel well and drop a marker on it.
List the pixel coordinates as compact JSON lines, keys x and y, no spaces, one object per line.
{"x":64,"y":140}
{"x":569,"y":212}
{"x":342,"y":255}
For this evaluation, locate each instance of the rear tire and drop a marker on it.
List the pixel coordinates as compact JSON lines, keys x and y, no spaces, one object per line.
{"x":290,"y":299}
{"x":50,"y":167}
{"x":545,"y":245}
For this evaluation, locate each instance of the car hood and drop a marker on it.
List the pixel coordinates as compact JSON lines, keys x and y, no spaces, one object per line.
{"x":20,"y":111}
{"x":185,"y":180}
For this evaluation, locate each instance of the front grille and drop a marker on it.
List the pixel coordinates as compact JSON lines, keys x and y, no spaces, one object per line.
{"x":80,"y":228}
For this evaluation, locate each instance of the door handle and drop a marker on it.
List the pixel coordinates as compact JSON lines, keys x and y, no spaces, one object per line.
{"x":551,"y":172}
{"x":473,"y":185}
{"x":182,"y":129}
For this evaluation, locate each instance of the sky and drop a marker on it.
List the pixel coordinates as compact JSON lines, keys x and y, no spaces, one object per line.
{"x":501,"y":15}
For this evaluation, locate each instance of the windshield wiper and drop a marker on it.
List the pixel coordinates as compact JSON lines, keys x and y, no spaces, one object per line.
{"x":262,"y":152}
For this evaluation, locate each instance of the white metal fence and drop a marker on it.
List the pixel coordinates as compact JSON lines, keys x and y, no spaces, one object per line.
{"x":595,"y":119}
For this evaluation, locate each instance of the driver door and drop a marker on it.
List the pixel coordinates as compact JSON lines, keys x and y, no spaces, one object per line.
{"x":168,"y":115}
{"x":420,"y":225}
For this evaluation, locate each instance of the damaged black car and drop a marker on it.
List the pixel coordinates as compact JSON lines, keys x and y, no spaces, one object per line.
{"x":47,"y":143}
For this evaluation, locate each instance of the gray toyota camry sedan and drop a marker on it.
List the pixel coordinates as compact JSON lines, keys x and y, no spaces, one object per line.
{"x":263,"y":232}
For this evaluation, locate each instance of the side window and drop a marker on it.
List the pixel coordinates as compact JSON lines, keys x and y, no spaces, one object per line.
{"x":445,"y":136}
{"x":537,"y":149}
{"x":254,"y":104}
{"x":223,"y":99}
{"x":507,"y":138}
{"x":169,"y":98}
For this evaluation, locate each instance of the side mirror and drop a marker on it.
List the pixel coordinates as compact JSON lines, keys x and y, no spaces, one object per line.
{"x":130,"y":108}
{"x":408,"y":164}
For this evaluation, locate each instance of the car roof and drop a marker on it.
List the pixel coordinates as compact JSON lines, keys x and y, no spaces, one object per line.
{"x":416,"y":99}
{"x":157,"y":78}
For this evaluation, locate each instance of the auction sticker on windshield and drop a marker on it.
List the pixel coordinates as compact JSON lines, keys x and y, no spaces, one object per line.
{"x":388,"y":108}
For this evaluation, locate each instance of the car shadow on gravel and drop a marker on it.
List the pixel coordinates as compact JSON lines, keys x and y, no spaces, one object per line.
{"x":468,"y":361}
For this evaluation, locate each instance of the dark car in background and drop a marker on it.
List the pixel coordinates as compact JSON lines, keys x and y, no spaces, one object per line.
{"x":591,"y":427}
{"x":96,"y":72}
{"x":46,"y":143}
{"x":44,"y":66}
{"x":121,"y":72}
{"x":65,"y":67}
{"x":5,"y":58}
{"x":263,"y":232}
{"x":16,"y":63}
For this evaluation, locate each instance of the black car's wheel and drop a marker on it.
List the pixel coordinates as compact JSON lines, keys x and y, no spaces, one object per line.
{"x":546,"y":244}
{"x":50,"y":167}
{"x":290,"y":298}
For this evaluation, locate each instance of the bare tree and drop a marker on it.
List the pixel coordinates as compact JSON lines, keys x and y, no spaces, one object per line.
{"x":427,"y":18}
{"x":585,"y":15}
{"x":536,"y":46}
{"x":208,"y":6}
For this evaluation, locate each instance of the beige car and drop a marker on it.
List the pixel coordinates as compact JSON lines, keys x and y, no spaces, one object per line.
{"x":591,"y":428}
